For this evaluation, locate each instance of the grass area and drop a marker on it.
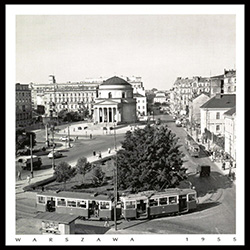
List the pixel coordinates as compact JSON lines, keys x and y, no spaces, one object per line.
{"x":80,"y":183}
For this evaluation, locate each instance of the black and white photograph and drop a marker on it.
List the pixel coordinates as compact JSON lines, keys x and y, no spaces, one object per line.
{"x":121,"y":125}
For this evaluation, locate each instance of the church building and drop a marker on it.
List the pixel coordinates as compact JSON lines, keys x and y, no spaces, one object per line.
{"x":115,"y":102}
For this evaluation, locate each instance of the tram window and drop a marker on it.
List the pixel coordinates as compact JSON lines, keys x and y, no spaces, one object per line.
{"x":191,"y":197}
{"x":163,"y":201}
{"x":71,"y":203}
{"x":130,"y":204}
{"x":173,"y":200}
{"x":41,"y":199}
{"x":104,"y":205}
{"x":82,"y":204}
{"x":61,"y":202}
{"x":153,"y":202}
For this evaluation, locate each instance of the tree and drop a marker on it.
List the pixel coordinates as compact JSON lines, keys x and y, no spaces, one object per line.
{"x":23,"y":139}
{"x":82,"y":166}
{"x":97,"y":175}
{"x":64,"y":172}
{"x":150,"y":159}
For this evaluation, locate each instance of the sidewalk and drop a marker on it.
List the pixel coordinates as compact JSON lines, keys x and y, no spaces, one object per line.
{"x":218,"y":164}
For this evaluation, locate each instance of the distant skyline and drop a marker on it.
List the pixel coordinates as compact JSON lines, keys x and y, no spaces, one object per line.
{"x":158,"y":48}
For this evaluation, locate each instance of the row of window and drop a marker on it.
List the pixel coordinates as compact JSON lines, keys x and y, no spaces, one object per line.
{"x":161,"y":201}
{"x":62,"y":202}
{"x":72,"y":100}
{"x":73,"y":94}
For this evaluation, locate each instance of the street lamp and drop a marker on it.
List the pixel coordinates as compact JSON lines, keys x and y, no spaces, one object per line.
{"x":31,"y":156}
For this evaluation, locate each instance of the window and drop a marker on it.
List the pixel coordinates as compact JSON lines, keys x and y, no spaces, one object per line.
{"x":163,"y":201}
{"x":61,"y":202}
{"x":172,"y":200}
{"x":41,"y":199}
{"x":110,"y":95}
{"x":130,"y":204}
{"x":82,"y":204}
{"x":217,"y":128}
{"x":71,"y":203}
{"x":217,"y":115}
{"x":153,"y":202}
{"x":104,"y":205}
{"x":123,"y":94}
{"x":191,"y":197}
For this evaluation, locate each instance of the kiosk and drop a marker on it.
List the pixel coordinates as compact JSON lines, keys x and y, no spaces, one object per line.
{"x":54,"y":223}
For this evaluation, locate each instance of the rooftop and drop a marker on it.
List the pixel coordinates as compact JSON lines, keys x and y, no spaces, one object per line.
{"x":61,"y":218}
{"x":231,"y":111}
{"x":221,"y":101}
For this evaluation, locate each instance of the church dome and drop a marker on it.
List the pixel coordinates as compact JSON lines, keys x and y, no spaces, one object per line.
{"x":115,"y":80}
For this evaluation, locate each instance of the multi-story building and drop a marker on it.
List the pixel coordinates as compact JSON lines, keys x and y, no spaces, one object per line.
{"x":23,"y":105}
{"x":230,"y":132}
{"x":141,"y":104}
{"x":160,"y":97}
{"x":212,"y":113}
{"x":74,"y":96}
{"x":229,"y":81}
{"x":194,"y":108}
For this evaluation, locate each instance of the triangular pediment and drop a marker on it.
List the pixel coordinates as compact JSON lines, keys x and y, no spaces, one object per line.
{"x":106,"y":102}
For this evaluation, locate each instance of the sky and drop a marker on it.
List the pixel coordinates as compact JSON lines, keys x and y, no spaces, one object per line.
{"x":158,"y":48}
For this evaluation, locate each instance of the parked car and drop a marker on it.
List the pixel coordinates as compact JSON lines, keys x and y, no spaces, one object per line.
{"x":65,"y":138}
{"x":158,"y":121}
{"x":57,"y":154}
{"x":25,"y":162}
{"x":178,"y":123}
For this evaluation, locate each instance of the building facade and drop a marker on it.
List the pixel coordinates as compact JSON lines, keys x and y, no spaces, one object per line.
{"x":23,"y":105}
{"x":230,"y":132}
{"x":160,"y":97}
{"x":73,"y":96}
{"x":115,"y":102}
{"x":194,"y":108}
{"x":212,"y":113}
{"x":229,"y":81}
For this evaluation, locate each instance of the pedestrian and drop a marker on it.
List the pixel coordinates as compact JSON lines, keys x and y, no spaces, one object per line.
{"x":28,"y":179}
{"x":19,"y":175}
{"x":106,"y":224}
{"x":90,"y":136}
{"x":223,"y":165}
{"x":100,"y":155}
{"x":94,"y":153}
{"x":109,"y":150}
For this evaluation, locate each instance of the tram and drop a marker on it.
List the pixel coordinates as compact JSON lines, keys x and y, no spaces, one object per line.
{"x":151,"y":204}
{"x":143,"y":205}
{"x":86,"y":205}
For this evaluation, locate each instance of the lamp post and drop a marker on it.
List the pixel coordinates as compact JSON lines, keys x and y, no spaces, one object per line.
{"x":53,"y":147}
{"x":31,"y":158}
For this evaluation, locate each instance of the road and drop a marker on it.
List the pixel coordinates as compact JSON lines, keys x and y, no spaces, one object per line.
{"x":216,"y":212}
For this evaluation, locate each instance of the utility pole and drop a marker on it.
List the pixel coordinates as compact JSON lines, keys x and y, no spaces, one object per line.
{"x":53,"y":147}
{"x":115,"y":181}
{"x":31,"y":157}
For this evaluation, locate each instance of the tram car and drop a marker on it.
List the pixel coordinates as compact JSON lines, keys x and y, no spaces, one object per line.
{"x":86,"y":205}
{"x":151,"y":204}
{"x":143,"y":205}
